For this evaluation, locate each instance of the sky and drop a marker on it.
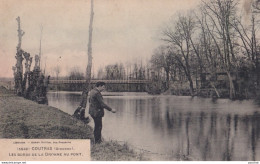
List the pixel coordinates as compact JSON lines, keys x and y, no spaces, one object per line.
{"x":124,"y":31}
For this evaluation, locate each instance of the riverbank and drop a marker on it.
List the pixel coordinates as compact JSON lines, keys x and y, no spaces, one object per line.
{"x":21,"y":118}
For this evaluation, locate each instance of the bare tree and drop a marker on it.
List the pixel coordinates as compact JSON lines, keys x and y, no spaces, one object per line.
{"x":162,"y":58}
{"x":115,"y":71}
{"x":28,"y":62}
{"x":256,"y":6}
{"x":40,"y":49}
{"x":250,"y":44}
{"x":57,"y":70}
{"x":76,"y":74}
{"x":20,"y":79}
{"x":213,"y":43}
{"x":180,"y":39}
{"x":81,"y":109}
{"x":206,"y":52}
{"x":19,"y":60}
{"x":101,"y":73}
{"x":219,"y":15}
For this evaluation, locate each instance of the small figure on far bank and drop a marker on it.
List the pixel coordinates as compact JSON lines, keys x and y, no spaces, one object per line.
{"x":96,"y":109}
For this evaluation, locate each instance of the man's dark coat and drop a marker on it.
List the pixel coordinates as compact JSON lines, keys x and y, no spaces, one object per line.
{"x":96,"y":104}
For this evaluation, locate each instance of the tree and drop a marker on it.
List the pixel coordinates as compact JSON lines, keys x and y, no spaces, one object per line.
{"x":256,"y":6}
{"x":18,"y":70}
{"x":162,"y":58}
{"x":32,"y":84}
{"x":249,"y":47}
{"x":219,"y":15}
{"x":28,"y":62}
{"x":76,"y":74}
{"x":206,"y":52}
{"x":57,"y":70}
{"x":115,"y":71}
{"x":179,"y":38}
{"x":81,"y":109}
{"x":101,"y":73}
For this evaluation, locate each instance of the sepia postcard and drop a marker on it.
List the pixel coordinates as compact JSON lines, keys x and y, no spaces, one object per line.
{"x":130,"y":80}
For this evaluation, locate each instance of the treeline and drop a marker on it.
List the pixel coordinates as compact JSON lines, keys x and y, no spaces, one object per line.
{"x":211,"y":51}
{"x":214,"y":47}
{"x":33,"y":84}
{"x":118,"y":71}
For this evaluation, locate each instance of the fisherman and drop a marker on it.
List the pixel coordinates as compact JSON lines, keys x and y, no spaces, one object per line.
{"x":96,"y":109}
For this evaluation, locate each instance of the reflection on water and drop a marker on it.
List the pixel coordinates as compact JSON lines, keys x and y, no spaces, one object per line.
{"x":195,"y":127}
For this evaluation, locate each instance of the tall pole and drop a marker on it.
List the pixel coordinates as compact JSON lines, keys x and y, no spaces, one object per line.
{"x":83,"y":103}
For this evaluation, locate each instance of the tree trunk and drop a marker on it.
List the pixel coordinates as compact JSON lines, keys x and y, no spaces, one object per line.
{"x":28,"y":61}
{"x":81,"y":109}
{"x":231,"y":86}
{"x":257,"y":75}
{"x":188,"y":74}
{"x":215,"y":89}
{"x":19,"y":72}
{"x":191,"y":86}
{"x":167,"y":78}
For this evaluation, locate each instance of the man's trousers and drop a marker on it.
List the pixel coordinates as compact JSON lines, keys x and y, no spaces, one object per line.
{"x":97,"y":129}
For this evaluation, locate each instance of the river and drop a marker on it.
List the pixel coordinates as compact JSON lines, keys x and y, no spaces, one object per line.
{"x":200,"y":128}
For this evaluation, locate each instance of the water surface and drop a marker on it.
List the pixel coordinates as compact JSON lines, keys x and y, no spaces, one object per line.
{"x":177,"y":125}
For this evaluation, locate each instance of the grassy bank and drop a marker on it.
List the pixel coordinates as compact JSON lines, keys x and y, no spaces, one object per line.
{"x":21,"y":118}
{"x":113,"y":151}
